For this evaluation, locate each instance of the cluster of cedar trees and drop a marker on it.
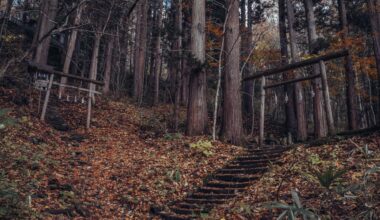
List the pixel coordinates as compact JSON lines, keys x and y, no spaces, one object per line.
{"x":133,"y":35}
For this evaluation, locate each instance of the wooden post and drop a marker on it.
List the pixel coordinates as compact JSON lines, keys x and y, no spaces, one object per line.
{"x":326,"y":94}
{"x":262,"y":112}
{"x":89,"y":106}
{"x":46,"y":102}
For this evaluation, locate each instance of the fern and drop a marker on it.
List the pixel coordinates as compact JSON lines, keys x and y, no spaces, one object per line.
{"x":292,"y":211}
{"x":329,"y":176}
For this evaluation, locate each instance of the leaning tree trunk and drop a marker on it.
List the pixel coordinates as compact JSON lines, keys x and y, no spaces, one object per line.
{"x":319,"y":119}
{"x":232,"y":112}
{"x":140,"y":55}
{"x":375,"y":26}
{"x":197,"y":108}
{"x":350,"y":74}
{"x":70,"y":49}
{"x":47,"y":17}
{"x":298,"y":90}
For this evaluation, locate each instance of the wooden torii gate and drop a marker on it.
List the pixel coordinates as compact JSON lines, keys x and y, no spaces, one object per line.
{"x":326,"y":95}
{"x":51,"y":72}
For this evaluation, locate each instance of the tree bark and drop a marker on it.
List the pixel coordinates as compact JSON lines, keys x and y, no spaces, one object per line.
{"x":108,"y":67}
{"x":298,"y":90}
{"x":157,"y":53}
{"x":197,"y":108}
{"x":350,"y":73}
{"x":375,"y":26}
{"x":140,"y":51}
{"x":70,"y":49}
{"x":179,"y":64}
{"x":247,"y":49}
{"x":94,"y":60}
{"x":319,"y":119}
{"x":46,"y":20}
{"x":93,"y":74}
{"x":326,"y":95}
{"x":262,"y":113}
{"x":232,"y":106}
{"x":291,"y":120}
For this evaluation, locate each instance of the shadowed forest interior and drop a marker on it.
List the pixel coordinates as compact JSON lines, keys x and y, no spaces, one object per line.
{"x":189,"y":109}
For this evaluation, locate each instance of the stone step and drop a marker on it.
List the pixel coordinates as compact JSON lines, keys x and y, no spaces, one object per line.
{"x":237,"y":178}
{"x":266,"y":151}
{"x":187,"y":211}
{"x":211,"y":196}
{"x":186,"y":205}
{"x":255,"y":156}
{"x":256,"y":147}
{"x":248,"y":166}
{"x":220,"y":190}
{"x":172,"y":216}
{"x":205,"y":201}
{"x":224,"y":184}
{"x":242,"y":170}
{"x":253,"y":162}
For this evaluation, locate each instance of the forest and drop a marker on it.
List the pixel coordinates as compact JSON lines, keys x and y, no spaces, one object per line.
{"x":190,"y":109}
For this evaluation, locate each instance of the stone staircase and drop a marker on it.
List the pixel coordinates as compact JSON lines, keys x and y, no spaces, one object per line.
{"x":225,"y":183}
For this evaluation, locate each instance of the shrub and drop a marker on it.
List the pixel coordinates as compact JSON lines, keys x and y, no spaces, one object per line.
{"x":5,"y":121}
{"x":12,"y":206}
{"x":203,"y":147}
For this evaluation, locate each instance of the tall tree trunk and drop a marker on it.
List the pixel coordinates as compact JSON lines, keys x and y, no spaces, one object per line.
{"x":179,"y":64}
{"x":291,"y":120}
{"x":298,"y":94}
{"x":185,"y":69}
{"x":197,"y":108}
{"x":25,"y":13}
{"x":243,"y":15}
{"x":246,"y":23}
{"x":94,"y":60}
{"x":250,"y":86}
{"x":350,"y":74}
{"x":157,"y":52}
{"x":3,"y":27}
{"x":319,"y":119}
{"x":232,"y":109}
{"x":186,"y":64}
{"x":47,"y":17}
{"x":375,"y":26}
{"x":140,"y":55}
{"x":108,"y":67}
{"x":70,"y":49}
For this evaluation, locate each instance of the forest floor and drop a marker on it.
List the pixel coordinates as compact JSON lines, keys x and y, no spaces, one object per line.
{"x":129,"y":166}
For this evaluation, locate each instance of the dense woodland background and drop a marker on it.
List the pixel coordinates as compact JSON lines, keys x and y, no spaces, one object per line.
{"x":180,"y":73}
{"x":167,"y":52}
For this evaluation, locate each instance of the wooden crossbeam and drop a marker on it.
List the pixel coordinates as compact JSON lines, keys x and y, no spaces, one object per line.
{"x":49,"y":70}
{"x":292,"y":81}
{"x":76,"y":87}
{"x":297,"y":65}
